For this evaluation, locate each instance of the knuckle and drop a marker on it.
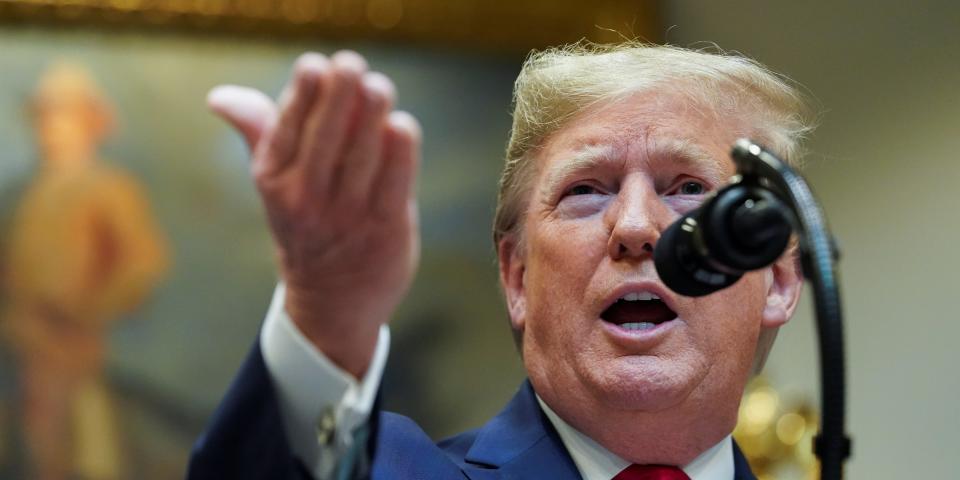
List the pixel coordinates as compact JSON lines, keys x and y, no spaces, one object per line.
{"x":284,"y":136}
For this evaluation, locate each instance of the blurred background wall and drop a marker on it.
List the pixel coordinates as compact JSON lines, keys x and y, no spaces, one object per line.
{"x":884,"y":75}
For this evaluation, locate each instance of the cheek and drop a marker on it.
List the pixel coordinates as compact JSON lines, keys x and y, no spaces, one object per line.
{"x":562,"y":259}
{"x":565,"y":257}
{"x":734,"y":316}
{"x":559,"y":238}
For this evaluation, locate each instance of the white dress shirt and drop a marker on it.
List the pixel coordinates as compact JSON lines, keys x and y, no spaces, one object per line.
{"x":597,"y":463}
{"x":322,"y":405}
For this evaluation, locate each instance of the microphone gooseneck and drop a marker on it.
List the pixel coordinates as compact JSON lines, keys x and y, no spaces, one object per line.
{"x":746,"y":226}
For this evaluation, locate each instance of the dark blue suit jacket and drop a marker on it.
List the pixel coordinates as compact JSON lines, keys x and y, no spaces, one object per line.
{"x":245,"y":440}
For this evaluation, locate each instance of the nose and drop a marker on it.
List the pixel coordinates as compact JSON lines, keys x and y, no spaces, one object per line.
{"x":635,"y":222}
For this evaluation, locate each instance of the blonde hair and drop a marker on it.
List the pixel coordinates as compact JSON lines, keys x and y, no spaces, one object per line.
{"x":558,"y":83}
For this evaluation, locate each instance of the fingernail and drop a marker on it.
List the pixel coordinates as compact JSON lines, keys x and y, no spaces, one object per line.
{"x":350,"y":59}
{"x":311,"y":62}
{"x":407,"y":122}
{"x":379,"y":83}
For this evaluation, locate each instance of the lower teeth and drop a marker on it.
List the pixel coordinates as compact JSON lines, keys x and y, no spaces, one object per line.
{"x":638,"y":325}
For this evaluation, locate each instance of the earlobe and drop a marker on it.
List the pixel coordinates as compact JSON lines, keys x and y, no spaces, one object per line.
{"x":512,"y":271}
{"x":783,"y":291}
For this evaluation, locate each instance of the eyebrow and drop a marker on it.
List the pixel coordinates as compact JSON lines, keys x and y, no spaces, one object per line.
{"x":688,"y":154}
{"x":584,"y":159}
{"x":683,"y":153}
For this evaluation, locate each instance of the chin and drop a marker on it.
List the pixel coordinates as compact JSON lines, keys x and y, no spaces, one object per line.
{"x":645,"y":383}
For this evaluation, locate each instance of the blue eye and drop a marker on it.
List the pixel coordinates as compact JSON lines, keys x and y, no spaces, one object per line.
{"x":692,"y":188}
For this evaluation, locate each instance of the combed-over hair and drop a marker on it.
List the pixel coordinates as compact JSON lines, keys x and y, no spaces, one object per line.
{"x":558,"y":83}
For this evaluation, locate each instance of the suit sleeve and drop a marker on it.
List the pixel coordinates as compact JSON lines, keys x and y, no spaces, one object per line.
{"x":245,"y":437}
{"x":321,"y":413}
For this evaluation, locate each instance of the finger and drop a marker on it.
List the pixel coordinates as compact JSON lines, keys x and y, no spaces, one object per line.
{"x":329,"y":119}
{"x":295,"y":102}
{"x":362,"y":152}
{"x":248,"y":110}
{"x":395,"y":182}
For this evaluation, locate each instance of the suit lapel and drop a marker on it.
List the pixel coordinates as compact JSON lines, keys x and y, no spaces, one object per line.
{"x":519,"y":443}
{"x":741,"y":469}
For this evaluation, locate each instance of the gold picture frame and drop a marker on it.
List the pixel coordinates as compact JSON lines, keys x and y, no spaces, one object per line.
{"x":498,"y":25}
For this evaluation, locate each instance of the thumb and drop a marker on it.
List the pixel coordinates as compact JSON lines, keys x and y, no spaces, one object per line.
{"x":248,"y":110}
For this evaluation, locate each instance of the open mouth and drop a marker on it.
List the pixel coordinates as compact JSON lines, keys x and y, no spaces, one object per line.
{"x":638,"y":311}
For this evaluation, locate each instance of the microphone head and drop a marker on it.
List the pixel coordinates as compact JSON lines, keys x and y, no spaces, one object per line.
{"x":744,"y":228}
{"x":682,"y":263}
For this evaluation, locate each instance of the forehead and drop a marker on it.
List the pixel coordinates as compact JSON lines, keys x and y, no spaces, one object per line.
{"x":648,"y":126}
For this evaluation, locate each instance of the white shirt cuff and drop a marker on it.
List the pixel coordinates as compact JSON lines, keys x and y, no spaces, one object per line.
{"x":315,"y":394}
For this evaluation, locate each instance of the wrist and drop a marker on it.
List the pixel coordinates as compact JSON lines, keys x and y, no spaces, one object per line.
{"x":344,"y":333}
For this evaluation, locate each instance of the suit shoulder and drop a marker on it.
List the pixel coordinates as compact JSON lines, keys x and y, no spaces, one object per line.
{"x":404,"y":430}
{"x":458,"y":445}
{"x":404,"y":450}
{"x":401,"y":430}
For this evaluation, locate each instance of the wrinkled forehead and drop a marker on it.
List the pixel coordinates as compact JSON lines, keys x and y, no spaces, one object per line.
{"x":650,"y":125}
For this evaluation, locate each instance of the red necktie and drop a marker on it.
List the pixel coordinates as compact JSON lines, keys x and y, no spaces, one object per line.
{"x":651,"y":472}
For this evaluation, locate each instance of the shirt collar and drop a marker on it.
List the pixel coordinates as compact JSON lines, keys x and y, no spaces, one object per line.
{"x":597,"y":463}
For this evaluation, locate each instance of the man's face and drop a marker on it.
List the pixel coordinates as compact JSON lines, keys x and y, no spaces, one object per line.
{"x":607,"y":185}
{"x":70,"y":127}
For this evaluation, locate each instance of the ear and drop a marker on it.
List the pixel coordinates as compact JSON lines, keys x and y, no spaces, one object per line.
{"x":512,"y":268}
{"x":783,"y":289}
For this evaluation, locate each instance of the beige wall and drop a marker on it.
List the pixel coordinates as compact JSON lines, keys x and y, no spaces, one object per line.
{"x":885,"y":163}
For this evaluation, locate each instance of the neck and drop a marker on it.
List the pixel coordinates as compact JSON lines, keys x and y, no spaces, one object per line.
{"x":672,"y":436}
{"x":597,"y":463}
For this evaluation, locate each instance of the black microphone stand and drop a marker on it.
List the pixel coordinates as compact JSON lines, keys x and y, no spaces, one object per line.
{"x":818,"y":254}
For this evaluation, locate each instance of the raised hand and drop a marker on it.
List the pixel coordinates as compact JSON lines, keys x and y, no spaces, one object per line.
{"x":335,"y":167}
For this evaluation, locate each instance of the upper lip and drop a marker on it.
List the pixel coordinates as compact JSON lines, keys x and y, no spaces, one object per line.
{"x":645,"y":286}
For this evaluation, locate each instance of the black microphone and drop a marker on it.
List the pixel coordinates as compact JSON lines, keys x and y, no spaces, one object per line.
{"x":745,"y":226}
